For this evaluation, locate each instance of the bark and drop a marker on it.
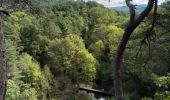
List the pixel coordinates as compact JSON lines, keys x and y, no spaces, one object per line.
{"x":2,"y":63}
{"x":133,"y":23}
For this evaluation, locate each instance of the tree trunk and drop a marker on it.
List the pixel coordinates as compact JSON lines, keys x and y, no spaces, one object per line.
{"x":2,"y":63}
{"x":118,"y":67}
{"x":133,"y":23}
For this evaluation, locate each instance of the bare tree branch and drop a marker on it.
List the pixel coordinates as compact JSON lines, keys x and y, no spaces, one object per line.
{"x":133,"y":23}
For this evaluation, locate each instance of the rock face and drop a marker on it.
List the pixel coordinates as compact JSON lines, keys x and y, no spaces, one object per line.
{"x":2,"y":63}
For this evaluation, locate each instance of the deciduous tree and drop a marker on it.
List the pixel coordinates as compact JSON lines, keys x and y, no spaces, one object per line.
{"x":134,"y":22}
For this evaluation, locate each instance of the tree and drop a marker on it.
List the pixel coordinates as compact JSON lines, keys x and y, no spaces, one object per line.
{"x":3,"y":71}
{"x":70,"y":57}
{"x":134,"y":22}
{"x":33,"y":75}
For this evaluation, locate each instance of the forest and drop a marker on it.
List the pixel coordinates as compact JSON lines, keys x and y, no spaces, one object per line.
{"x":52,"y":47}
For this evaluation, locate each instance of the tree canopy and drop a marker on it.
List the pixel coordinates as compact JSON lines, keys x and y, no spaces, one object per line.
{"x":53,"y":47}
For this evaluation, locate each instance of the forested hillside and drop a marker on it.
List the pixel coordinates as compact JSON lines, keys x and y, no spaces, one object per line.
{"x":53,"y":47}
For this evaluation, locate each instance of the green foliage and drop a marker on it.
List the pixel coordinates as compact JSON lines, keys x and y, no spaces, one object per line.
{"x":17,"y":92}
{"x":33,"y":74}
{"x":70,"y":42}
{"x":96,"y":49}
{"x":162,"y":96}
{"x":13,"y":90}
{"x":163,"y":81}
{"x":107,"y":33}
{"x":12,"y":54}
{"x":28,"y":93}
{"x":84,"y":96}
{"x":101,"y":15}
{"x":30,"y":68}
{"x":148,"y":62}
{"x":146,"y":98}
{"x":70,"y":57}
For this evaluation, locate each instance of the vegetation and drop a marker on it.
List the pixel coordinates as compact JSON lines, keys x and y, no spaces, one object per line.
{"x":53,"y":47}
